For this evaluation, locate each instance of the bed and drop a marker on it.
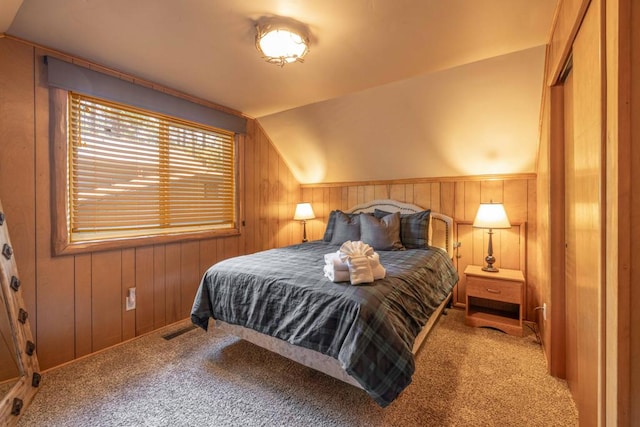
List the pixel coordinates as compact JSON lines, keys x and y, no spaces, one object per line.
{"x":365,"y":335}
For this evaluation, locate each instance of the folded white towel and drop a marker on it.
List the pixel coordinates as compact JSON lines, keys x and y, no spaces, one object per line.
{"x":379,"y":272}
{"x":336,"y":276}
{"x":333,"y":259}
{"x":360,"y":270}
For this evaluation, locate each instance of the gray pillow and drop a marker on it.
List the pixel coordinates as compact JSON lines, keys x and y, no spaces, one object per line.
{"x":345,"y":227}
{"x":382,"y":234}
{"x":414,"y":228}
{"x":331,"y":223}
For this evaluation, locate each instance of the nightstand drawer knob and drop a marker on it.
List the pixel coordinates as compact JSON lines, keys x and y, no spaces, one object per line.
{"x":494,"y":291}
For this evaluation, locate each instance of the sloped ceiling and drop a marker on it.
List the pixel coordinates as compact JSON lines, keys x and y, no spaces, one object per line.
{"x":391,"y":88}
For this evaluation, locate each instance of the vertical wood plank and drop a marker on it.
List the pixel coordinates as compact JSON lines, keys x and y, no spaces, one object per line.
{"x":145,"y":295}
{"x":381,"y":191}
{"x":353,"y":196}
{"x":247,"y":192}
{"x":159,"y":287}
{"x":508,"y":251}
{"x":275,"y":190}
{"x":459,"y":213}
{"x":82,"y":304}
{"x":448,"y":201}
{"x":464,"y":257}
{"x":172,"y":282}
{"x":516,"y":193}
{"x":128,"y":281}
{"x":106,"y":303}
{"x":208,"y":255}
{"x":398,"y":192}
{"x":471,"y":199}
{"x":491,"y":191}
{"x":422,"y":195}
{"x":435,"y":198}
{"x":189,"y":275}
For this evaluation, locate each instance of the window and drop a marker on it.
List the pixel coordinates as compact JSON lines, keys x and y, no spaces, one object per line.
{"x":134,"y":173}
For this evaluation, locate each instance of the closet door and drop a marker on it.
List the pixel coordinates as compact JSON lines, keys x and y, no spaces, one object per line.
{"x":584,"y":284}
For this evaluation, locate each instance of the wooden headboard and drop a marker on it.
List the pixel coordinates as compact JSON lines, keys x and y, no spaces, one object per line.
{"x":440,"y":225}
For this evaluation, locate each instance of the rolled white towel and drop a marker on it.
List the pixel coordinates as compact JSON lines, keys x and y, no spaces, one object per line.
{"x":336,"y":276}
{"x":360,"y":270}
{"x":333,"y":259}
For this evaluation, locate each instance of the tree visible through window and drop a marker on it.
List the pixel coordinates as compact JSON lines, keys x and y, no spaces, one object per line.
{"x":134,"y":172}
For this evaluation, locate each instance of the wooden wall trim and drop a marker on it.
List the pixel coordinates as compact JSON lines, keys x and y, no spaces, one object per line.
{"x":569,"y":15}
{"x":619,"y":66}
{"x":422,"y":180}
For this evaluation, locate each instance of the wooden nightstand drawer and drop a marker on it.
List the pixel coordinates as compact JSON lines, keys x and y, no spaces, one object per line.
{"x":496,"y":290}
{"x":495,"y":299}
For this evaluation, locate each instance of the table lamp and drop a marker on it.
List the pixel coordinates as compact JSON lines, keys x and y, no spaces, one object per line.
{"x":304,"y":211}
{"x":491,"y":216}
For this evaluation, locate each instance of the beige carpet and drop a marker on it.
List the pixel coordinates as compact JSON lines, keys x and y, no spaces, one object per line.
{"x":464,"y":377}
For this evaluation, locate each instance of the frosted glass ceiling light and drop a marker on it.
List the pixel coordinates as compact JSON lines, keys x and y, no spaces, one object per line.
{"x":281,"y":46}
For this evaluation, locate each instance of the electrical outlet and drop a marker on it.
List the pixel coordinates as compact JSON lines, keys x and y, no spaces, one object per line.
{"x":130,"y":300}
{"x":544,"y":311}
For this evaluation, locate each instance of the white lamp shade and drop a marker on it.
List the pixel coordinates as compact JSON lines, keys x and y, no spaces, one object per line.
{"x":491,"y":215}
{"x":304,"y":211}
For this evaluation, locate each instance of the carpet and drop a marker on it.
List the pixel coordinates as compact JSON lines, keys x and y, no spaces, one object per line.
{"x":464,"y":377}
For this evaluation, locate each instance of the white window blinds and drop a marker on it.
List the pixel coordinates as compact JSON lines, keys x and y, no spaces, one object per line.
{"x":133,"y":172}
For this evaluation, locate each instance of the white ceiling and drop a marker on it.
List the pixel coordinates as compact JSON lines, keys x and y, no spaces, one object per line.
{"x":368,"y":58}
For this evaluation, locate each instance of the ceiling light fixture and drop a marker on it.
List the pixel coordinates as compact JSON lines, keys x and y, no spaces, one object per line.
{"x":281,"y":45}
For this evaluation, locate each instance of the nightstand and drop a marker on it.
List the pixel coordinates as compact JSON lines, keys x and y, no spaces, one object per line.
{"x":495,"y":299}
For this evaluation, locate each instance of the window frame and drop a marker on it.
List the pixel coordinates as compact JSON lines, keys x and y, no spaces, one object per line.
{"x":62,"y":243}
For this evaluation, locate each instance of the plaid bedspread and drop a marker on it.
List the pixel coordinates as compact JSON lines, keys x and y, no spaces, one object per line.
{"x":369,"y":329}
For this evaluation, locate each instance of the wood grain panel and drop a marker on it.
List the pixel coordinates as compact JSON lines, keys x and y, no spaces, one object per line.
{"x":143,"y":281}
{"x":106,"y":302}
{"x":623,"y":70}
{"x":491,"y":191}
{"x":569,"y":283}
{"x":208,"y":255}
{"x":128,"y":257}
{"x":249,"y":191}
{"x":82,"y":305}
{"x":173,"y":292}
{"x":190,"y":275}
{"x":472,"y":197}
{"x":584,"y":174}
{"x":159,"y":287}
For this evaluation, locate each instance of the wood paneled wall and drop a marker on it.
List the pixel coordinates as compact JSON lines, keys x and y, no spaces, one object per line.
{"x":619,"y":385}
{"x":77,"y":303}
{"x":458,"y":198}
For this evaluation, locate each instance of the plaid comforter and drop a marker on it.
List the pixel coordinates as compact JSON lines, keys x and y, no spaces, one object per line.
{"x":369,"y":329}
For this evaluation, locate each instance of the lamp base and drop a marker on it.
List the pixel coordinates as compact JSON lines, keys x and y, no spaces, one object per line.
{"x":490,"y":269}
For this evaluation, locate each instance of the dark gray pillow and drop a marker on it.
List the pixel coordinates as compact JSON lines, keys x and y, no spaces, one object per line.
{"x":382,"y":234}
{"x":346,"y":227}
{"x":414,"y":228}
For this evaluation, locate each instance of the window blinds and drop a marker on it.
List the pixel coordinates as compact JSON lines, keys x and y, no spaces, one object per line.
{"x":133,"y":172}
